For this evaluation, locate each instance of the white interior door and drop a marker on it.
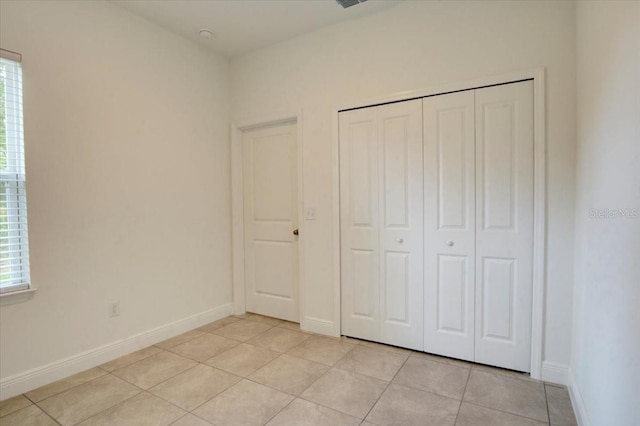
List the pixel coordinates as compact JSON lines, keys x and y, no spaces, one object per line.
{"x":270,"y":218}
{"x":504,"y":225}
{"x":381,"y":223}
{"x":449,"y":221}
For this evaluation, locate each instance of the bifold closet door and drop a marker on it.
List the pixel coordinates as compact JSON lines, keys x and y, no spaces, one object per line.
{"x":504,"y":225}
{"x":478,"y":157}
{"x":381,"y":212}
{"x":449,"y":221}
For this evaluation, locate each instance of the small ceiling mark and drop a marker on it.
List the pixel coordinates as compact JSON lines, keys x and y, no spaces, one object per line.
{"x":205,"y":33}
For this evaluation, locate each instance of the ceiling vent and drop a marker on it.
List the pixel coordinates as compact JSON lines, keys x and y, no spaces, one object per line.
{"x":348,"y":3}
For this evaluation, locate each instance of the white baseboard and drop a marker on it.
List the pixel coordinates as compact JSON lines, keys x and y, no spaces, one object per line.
{"x":555,"y":373}
{"x":579,"y":407}
{"x":40,"y":376}
{"x":319,"y":326}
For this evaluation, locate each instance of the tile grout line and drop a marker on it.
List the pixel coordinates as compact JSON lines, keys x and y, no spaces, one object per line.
{"x":546,"y":403}
{"x":299,"y":396}
{"x":506,"y":412}
{"x":385,"y":388}
{"x":99,"y":412}
{"x":253,"y":381}
{"x":462,"y":397}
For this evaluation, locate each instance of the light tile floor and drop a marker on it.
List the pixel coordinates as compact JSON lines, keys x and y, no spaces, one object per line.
{"x":255,"y":370}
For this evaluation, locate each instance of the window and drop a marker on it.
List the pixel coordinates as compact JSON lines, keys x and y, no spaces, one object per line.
{"x":14,"y":249}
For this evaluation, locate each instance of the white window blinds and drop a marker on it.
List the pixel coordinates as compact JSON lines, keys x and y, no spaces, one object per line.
{"x":14,"y":248}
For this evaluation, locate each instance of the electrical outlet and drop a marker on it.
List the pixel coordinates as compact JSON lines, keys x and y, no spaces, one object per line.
{"x":114,"y":309}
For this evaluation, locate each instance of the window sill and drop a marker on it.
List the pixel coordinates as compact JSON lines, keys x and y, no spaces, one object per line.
{"x":17,"y":296}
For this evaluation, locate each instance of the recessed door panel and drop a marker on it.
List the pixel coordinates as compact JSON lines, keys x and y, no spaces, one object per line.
{"x":363,"y":157}
{"x":270,"y":216}
{"x":365,"y":292}
{"x":397,"y":288}
{"x":270,"y":278}
{"x":496,"y":291}
{"x":504,"y":218}
{"x":498,"y":163}
{"x":449,"y":220}
{"x":452,"y":286}
{"x":396,"y":169}
{"x":452,"y":146}
{"x":267,"y":151}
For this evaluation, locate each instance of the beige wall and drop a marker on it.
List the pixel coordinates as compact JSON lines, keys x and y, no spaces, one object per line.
{"x":606,"y":347}
{"x":126,"y":134}
{"x":419,"y":45}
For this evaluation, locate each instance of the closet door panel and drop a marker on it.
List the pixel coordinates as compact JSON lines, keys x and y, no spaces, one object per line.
{"x":504,"y":220}
{"x":449,"y":220}
{"x":359,"y":222}
{"x":400,"y":144}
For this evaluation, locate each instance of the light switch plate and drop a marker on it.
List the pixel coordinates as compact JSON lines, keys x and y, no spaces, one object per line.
{"x":310,"y":213}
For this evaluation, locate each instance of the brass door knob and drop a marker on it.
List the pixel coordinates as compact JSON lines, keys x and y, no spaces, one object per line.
{"x":295,"y":231}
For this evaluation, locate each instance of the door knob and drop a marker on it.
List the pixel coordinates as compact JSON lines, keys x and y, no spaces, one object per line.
{"x":400,"y":240}
{"x":295,"y":231}
{"x":450,"y":243}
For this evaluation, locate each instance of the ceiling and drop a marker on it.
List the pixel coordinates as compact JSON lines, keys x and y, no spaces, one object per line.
{"x":240,"y":26}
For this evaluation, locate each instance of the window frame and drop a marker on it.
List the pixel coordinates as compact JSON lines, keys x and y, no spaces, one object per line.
{"x":13,"y":181}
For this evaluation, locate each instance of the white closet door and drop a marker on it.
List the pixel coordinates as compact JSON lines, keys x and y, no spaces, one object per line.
{"x":359,"y":224}
{"x":381,"y":223}
{"x":270,"y":217}
{"x":449,"y":205}
{"x":504,"y":225}
{"x":401,"y":235}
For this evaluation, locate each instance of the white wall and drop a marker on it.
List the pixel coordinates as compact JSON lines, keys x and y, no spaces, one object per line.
{"x":606,"y":346}
{"x":419,"y":45}
{"x":126,"y":134}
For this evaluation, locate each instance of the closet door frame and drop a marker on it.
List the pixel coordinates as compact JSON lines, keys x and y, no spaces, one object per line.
{"x":537,"y":75}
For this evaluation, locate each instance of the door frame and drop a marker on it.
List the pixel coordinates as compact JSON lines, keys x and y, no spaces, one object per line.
{"x":539,"y":200}
{"x":237,"y":204}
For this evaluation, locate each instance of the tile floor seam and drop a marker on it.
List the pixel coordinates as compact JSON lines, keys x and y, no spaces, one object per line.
{"x":546,"y":401}
{"x":434,"y":392}
{"x":417,"y":355}
{"x":273,"y":417}
{"x":280,"y":390}
{"x":504,"y":372}
{"x":506,"y":412}
{"x":179,"y":418}
{"x":462,"y":398}
{"x":63,"y":391}
{"x":195,"y":408}
{"x":169,"y":378}
{"x":326,"y":406}
{"x":337,"y":409}
{"x":250,"y":338}
{"x":177,"y":344}
{"x":107,"y":409}
{"x":130,"y":353}
{"x":385,"y":389}
{"x":321,"y":363}
{"x":195,"y":415}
